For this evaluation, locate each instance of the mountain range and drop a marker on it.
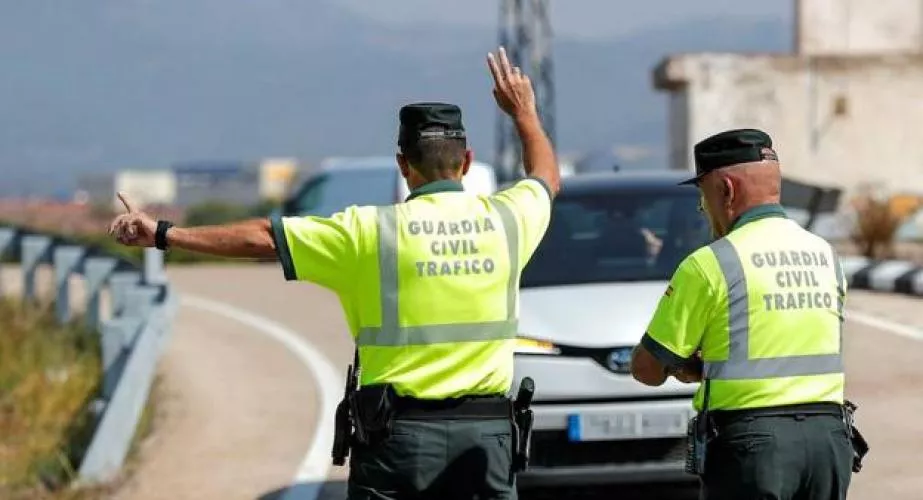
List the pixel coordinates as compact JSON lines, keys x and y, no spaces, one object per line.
{"x":100,"y":85}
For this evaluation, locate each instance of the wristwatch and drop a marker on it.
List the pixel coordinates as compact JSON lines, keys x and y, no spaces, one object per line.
{"x":160,"y":235}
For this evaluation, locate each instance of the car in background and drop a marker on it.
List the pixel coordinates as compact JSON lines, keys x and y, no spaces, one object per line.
{"x":586,"y":298}
{"x":340,"y":182}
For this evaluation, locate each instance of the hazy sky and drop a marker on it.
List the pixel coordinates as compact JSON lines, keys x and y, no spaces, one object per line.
{"x":158,"y":62}
{"x":571,"y":18}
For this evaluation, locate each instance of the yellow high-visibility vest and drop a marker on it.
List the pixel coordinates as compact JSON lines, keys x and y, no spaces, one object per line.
{"x":764,"y":305}
{"x":430,"y":286}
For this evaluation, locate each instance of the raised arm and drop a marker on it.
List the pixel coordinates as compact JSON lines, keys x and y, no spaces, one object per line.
{"x":249,"y":238}
{"x":515,"y":96}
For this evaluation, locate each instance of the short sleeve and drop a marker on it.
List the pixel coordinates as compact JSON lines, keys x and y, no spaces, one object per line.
{"x":321,"y":250}
{"x":529,"y":200}
{"x":685,"y":309}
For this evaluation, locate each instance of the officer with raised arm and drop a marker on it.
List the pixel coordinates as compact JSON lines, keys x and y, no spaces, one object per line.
{"x":429,"y":288}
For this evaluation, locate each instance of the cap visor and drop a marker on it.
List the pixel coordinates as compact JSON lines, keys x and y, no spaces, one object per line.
{"x":694,"y":180}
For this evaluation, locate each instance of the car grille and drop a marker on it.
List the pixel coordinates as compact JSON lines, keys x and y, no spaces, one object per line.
{"x":553,"y":449}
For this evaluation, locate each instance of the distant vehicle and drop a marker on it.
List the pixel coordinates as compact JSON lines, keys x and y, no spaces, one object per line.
{"x":586,"y":298}
{"x":341,"y":182}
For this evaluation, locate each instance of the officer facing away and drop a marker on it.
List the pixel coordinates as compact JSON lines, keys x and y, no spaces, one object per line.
{"x":430,"y":292}
{"x":760,"y":312}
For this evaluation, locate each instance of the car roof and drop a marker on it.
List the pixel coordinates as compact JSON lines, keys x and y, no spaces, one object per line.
{"x":358,"y":163}
{"x":366,"y":163}
{"x":596,"y":182}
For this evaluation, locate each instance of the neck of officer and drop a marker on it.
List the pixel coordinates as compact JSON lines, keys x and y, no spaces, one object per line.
{"x":756,"y":201}
{"x":417,"y":179}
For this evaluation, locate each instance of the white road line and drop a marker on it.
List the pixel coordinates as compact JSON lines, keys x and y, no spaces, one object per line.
{"x":885,"y":325}
{"x":312,"y":473}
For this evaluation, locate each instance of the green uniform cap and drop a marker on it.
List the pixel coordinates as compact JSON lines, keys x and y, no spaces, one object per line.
{"x":728,"y":148}
{"x":429,"y":119}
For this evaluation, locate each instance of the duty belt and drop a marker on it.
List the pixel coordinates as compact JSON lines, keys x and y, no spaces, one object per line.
{"x":723,"y":417}
{"x":477,"y":407}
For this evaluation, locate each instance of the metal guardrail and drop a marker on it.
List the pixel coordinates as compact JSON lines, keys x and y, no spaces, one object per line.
{"x":142,"y":309}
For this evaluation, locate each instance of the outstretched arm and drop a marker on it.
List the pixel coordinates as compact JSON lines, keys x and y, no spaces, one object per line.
{"x":249,"y":238}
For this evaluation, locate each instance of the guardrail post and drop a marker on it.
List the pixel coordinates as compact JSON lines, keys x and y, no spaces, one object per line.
{"x":34,"y":251}
{"x":106,"y":452}
{"x":67,"y":260}
{"x":7,"y":237}
{"x":119,"y":283}
{"x":153,"y":267}
{"x":139,"y":300}
{"x":96,"y":271}
{"x":118,"y":335}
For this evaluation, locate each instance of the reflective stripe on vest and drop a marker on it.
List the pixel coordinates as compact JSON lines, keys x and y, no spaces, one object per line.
{"x":392,"y":334}
{"x":738,"y":365}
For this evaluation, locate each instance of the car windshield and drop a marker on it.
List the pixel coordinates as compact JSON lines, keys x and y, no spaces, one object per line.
{"x":613,"y":236}
{"x":332,"y":192}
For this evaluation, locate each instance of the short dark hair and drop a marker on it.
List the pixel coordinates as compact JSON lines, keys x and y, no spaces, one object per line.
{"x":436,"y":156}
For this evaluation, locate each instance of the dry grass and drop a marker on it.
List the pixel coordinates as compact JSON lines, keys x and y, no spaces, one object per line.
{"x":48,"y":376}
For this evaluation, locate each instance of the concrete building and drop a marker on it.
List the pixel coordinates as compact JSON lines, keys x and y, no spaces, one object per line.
{"x":844,"y":109}
{"x":277,"y":176}
{"x":230,"y":182}
{"x":234,"y":182}
{"x":193,"y":183}
{"x":145,"y":187}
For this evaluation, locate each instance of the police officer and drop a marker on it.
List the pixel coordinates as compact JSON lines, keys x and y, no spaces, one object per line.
{"x":759,"y":313}
{"x":430,"y":292}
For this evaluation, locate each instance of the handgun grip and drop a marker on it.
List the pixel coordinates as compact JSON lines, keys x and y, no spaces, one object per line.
{"x":524,"y":396}
{"x":341,"y":435}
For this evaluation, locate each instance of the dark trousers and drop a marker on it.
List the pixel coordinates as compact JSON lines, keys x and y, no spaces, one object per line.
{"x":780,"y":458}
{"x":440,"y":459}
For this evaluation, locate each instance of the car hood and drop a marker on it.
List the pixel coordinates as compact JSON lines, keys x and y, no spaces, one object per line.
{"x":590,"y":315}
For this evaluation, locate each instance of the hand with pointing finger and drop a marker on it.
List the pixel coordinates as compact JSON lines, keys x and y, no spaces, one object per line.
{"x":134,"y":228}
{"x":512,"y":88}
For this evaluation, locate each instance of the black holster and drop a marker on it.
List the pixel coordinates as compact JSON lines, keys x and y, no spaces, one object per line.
{"x":860,"y":446}
{"x":523,"y":419}
{"x":699,"y":432}
{"x":343,"y":429}
{"x":342,"y":433}
{"x":372,"y":408}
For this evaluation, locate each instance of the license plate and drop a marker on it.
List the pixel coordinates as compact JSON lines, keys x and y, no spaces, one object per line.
{"x":627,"y":425}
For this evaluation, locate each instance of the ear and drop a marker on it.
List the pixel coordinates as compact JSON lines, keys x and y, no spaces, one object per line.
{"x":729,"y":192}
{"x":403,"y":165}
{"x":469,"y":157}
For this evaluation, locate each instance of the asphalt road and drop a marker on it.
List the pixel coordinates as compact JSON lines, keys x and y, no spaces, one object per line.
{"x":242,"y":404}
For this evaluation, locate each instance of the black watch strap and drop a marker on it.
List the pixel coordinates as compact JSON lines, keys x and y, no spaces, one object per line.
{"x":160,"y":235}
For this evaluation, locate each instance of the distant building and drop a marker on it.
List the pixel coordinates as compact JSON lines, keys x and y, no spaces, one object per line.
{"x":230,"y":182}
{"x":844,"y":109}
{"x":234,"y":182}
{"x":145,"y":187}
{"x":277,"y":176}
{"x":193,"y":183}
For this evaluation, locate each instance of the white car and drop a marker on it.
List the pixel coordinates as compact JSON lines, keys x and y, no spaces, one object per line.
{"x":587,"y":296}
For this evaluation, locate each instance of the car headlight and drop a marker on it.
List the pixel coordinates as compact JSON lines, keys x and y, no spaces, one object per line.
{"x":525,"y":345}
{"x":618,"y":360}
